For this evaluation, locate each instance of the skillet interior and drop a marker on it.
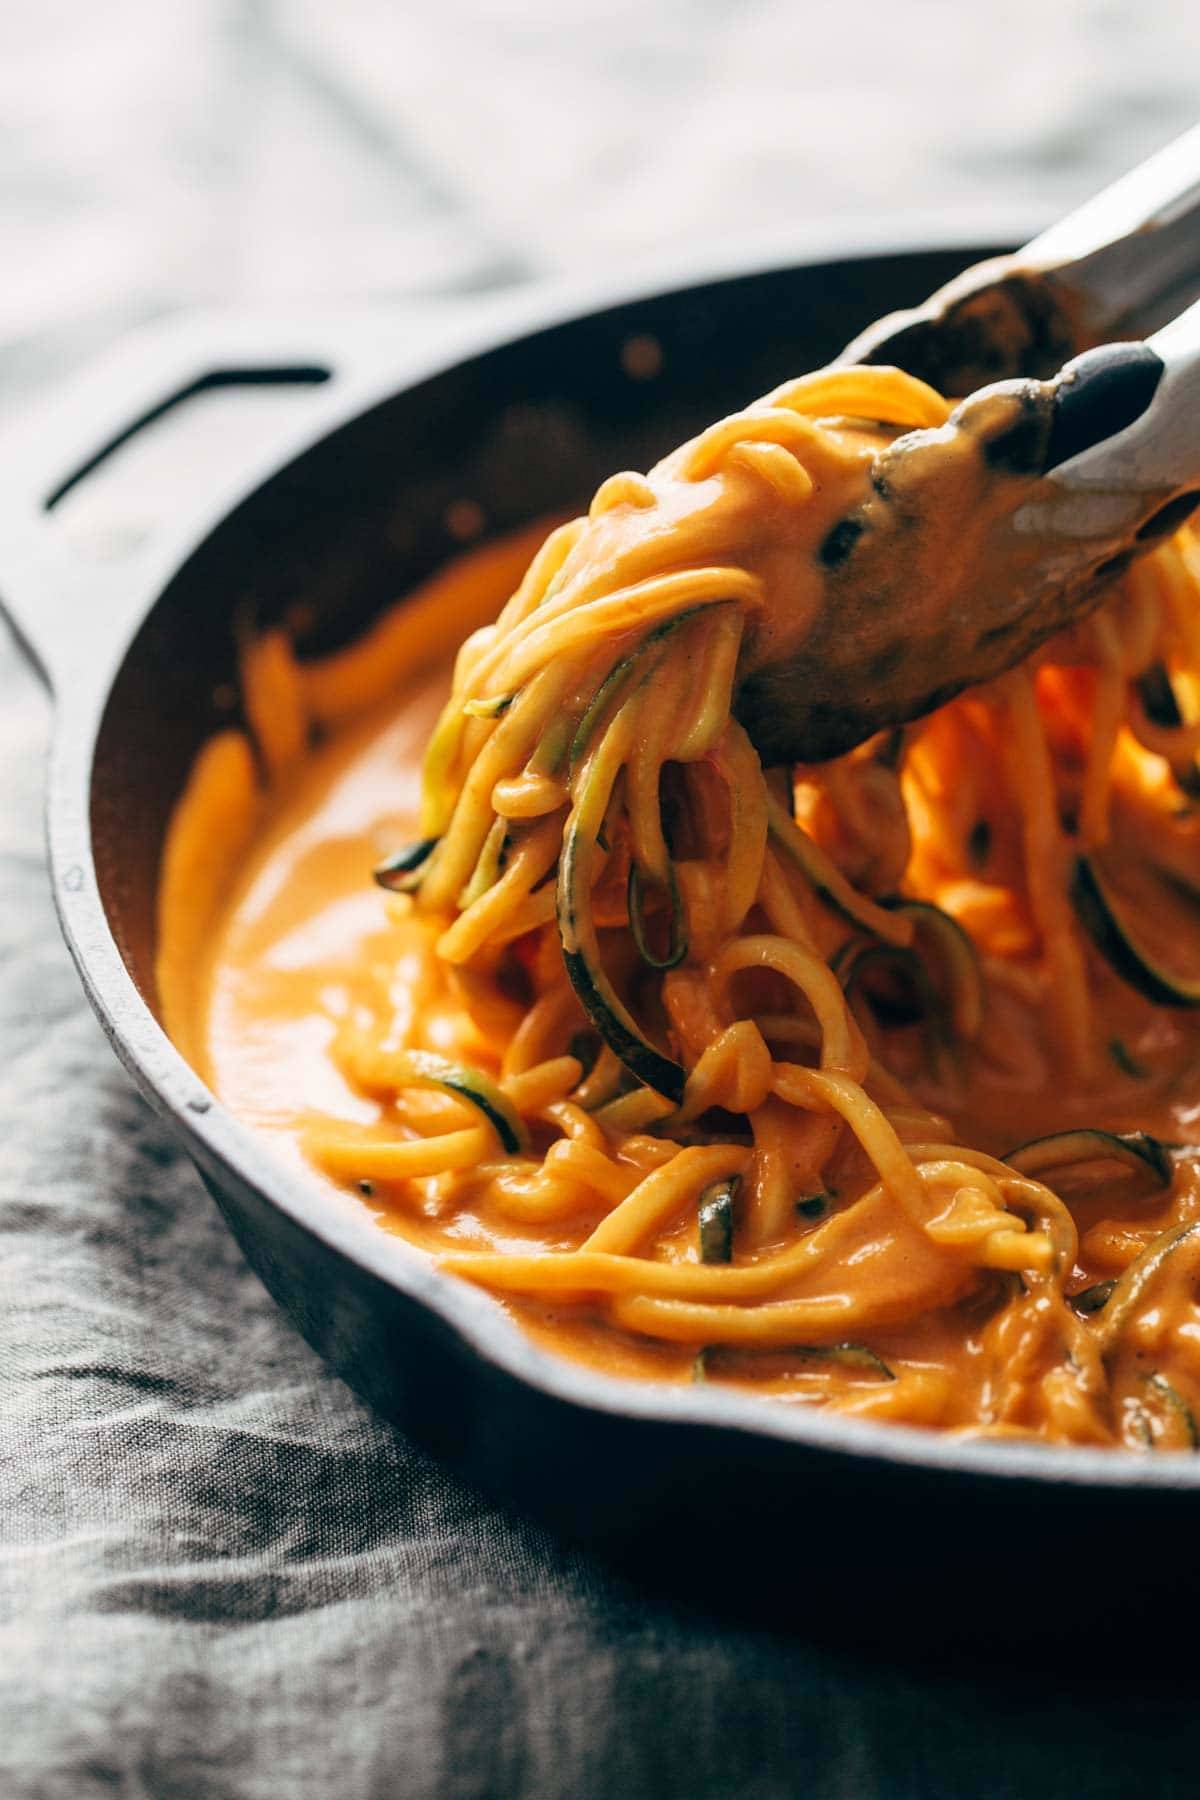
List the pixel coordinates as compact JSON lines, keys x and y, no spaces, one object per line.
{"x":523,"y":430}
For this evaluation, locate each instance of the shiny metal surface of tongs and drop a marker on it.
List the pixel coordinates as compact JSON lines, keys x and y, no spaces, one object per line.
{"x":1121,"y":266}
{"x":1081,"y":448}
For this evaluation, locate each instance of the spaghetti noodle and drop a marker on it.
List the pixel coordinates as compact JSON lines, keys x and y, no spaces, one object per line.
{"x":721,"y":1073}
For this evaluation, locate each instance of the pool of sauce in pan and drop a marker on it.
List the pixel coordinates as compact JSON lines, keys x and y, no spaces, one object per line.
{"x":301,"y":916}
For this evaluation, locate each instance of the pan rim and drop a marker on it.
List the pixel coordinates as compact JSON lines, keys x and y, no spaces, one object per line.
{"x":218,"y":1140}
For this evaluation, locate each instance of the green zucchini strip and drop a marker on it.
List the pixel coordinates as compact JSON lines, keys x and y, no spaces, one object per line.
{"x":716,"y":1221}
{"x":1115,"y":937}
{"x":581,"y":945}
{"x":421,"y":1068}
{"x":851,"y":1356}
{"x":550,"y":752}
{"x":678,"y":943}
{"x":1157,"y":695}
{"x":438,"y":796}
{"x":597,"y":707}
{"x":1135,"y":1150}
{"x":854,"y":1356}
{"x":401,"y":872}
{"x":489,"y":866}
{"x":855,"y":960}
{"x":827,"y":880}
{"x":1174,"y":1402}
{"x":957,"y":955}
{"x":613,"y":687}
{"x":1092,"y":1299}
{"x":489,"y":709}
{"x":1132,"y":1286}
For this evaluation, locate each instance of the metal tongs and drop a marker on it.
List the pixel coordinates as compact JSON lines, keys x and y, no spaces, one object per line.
{"x":1077,"y":447}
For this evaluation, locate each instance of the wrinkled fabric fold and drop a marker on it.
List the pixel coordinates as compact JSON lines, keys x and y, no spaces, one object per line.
{"x":221,"y":1577}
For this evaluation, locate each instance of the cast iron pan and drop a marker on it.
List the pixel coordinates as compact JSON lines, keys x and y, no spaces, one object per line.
{"x":522,"y":414}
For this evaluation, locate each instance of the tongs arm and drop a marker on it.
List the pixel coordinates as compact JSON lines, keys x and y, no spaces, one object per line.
{"x":1138,"y":470}
{"x":1118,"y":267}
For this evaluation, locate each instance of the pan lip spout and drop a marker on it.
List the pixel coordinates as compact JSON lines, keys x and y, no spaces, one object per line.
{"x":231,"y":1153}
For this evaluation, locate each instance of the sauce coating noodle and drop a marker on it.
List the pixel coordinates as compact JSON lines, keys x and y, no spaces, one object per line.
{"x":714,"y":1073}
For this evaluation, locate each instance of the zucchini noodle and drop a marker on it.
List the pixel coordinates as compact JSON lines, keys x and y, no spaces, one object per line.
{"x":670,"y":1045}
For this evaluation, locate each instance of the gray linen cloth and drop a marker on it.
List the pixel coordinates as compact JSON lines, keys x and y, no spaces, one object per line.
{"x":222,"y":1578}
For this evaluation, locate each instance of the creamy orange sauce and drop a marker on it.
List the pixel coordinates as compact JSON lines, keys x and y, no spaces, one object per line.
{"x":287,"y":933}
{"x":710,"y":1065}
{"x":271,"y":928}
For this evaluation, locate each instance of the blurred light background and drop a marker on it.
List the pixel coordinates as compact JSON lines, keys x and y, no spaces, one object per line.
{"x":161,"y":153}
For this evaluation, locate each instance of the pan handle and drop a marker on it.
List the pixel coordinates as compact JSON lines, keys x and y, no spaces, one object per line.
{"x":73,"y":612}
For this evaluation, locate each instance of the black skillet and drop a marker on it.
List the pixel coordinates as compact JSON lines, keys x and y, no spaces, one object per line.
{"x":522,"y":415}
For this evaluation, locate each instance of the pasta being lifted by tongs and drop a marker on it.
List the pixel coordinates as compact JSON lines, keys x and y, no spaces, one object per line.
{"x":743,"y":938}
